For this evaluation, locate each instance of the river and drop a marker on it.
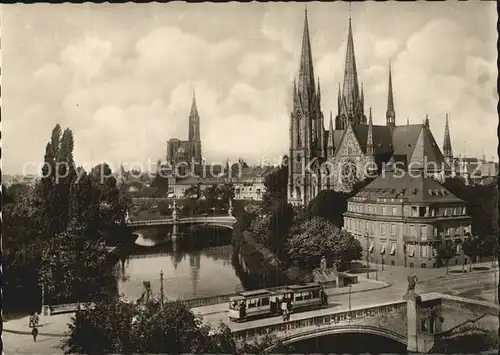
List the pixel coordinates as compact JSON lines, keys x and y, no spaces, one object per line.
{"x":199,"y":265}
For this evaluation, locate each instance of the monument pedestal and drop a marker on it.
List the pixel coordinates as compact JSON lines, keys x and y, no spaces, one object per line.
{"x":413,"y":301}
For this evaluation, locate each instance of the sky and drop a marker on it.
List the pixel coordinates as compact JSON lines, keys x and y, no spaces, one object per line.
{"x":121,"y":76}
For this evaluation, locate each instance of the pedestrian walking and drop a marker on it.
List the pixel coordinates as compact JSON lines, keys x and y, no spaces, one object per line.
{"x":34,"y":332}
{"x":32,"y":318}
{"x":36,"y":319}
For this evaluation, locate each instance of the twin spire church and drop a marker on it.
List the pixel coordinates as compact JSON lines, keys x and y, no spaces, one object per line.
{"x":339,"y":157}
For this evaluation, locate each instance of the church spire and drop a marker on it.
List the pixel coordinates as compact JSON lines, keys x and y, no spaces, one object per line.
{"x":447,"y":151}
{"x":350,"y":88}
{"x":306,"y":72}
{"x":369,"y":141}
{"x":390,"y":114}
{"x":194,"y":122}
{"x":330,"y":144}
{"x":426,"y":121}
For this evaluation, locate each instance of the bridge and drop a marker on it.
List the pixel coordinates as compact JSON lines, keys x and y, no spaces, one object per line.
{"x":226,"y":222}
{"x":414,"y":322}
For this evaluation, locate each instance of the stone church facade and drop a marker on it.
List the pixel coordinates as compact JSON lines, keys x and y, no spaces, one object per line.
{"x":187,"y":151}
{"x":354,"y":148}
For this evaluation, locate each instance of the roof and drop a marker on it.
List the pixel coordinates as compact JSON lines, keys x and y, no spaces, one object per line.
{"x":414,"y":188}
{"x":255,"y":293}
{"x":303,"y":287}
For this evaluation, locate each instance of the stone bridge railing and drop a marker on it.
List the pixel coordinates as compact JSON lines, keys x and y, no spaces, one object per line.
{"x":295,"y":328}
{"x":222,"y":220}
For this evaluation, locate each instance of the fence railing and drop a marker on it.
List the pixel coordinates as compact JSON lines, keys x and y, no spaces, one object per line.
{"x":319,"y":320}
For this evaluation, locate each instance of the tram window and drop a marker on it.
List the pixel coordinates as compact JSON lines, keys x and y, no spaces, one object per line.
{"x":258,"y":302}
{"x":307,"y":296}
{"x":252,"y":303}
{"x":299,"y":297}
{"x":315,"y":294}
{"x":265,"y":301}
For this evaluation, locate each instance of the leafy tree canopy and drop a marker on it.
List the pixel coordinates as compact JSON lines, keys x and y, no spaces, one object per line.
{"x":319,"y":237}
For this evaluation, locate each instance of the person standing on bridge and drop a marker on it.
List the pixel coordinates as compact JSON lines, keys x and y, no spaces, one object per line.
{"x":34,"y":332}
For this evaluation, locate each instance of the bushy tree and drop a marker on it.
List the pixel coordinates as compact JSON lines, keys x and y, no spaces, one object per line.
{"x":114,"y":326}
{"x":193,"y":192}
{"x":318,"y":237}
{"x":445,"y":252}
{"x":471,"y":247}
{"x":211,"y":195}
{"x":276,"y":184}
{"x":469,"y":339}
{"x":330,"y":205}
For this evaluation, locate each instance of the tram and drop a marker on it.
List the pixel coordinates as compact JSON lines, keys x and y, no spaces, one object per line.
{"x":249,"y":304}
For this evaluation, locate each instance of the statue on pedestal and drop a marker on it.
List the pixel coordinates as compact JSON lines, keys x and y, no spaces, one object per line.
{"x":230,"y":209}
{"x":174,"y":210}
{"x":322,"y":264}
{"x":412,"y":283}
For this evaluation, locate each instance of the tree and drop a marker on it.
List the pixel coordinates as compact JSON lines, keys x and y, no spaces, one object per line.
{"x":471,"y":247}
{"x":193,"y":192}
{"x":276,"y":184}
{"x":318,"y":237}
{"x":225,"y":192}
{"x":211,"y":195}
{"x":330,"y":205}
{"x":114,"y":326}
{"x":280,"y":224}
{"x":468,"y":339}
{"x":445,"y":252}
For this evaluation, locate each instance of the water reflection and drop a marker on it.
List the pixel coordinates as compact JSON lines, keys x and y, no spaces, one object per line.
{"x":190,"y":268}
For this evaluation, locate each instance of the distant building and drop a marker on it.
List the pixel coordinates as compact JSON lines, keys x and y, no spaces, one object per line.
{"x":248,"y":182}
{"x":400,"y":219}
{"x":190,"y":150}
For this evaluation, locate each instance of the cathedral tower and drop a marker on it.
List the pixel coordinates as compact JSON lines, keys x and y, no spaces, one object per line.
{"x":194,"y":132}
{"x":390,"y":115}
{"x":306,"y":128}
{"x":350,"y":100}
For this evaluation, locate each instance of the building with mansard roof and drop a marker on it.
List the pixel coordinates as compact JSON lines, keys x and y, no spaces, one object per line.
{"x":338,"y":157}
{"x":400,"y":218}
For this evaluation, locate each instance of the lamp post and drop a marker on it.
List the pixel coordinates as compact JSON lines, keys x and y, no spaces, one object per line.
{"x":161,"y":289}
{"x":367,"y":257}
{"x":350,"y":286}
{"x":404,"y":254}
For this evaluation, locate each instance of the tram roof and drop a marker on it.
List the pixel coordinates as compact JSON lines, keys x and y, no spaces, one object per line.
{"x":255,"y":293}
{"x":303,"y":287}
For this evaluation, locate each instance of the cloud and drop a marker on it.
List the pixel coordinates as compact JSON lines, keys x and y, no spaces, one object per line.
{"x":87,"y":57}
{"x":253,"y":63}
{"x":124,"y":92}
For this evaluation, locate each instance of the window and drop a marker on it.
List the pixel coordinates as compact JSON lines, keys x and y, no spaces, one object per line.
{"x":411,"y":250}
{"x":265,"y":301}
{"x":414,"y":212}
{"x":383,"y":210}
{"x":411,"y":265}
{"x":423,"y":266}
{"x":393,"y":229}
{"x":382,"y":249}
{"x":393,"y":249}
{"x":382,"y":228}
{"x":393,"y":262}
{"x":421,"y":211}
{"x":412,"y":230}
{"x":370,"y":209}
{"x":394,"y":211}
{"x":371,"y":248}
{"x":423,"y":230}
{"x":315,"y":294}
{"x":252,"y":303}
{"x":464,"y":211}
{"x":424,"y":251}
